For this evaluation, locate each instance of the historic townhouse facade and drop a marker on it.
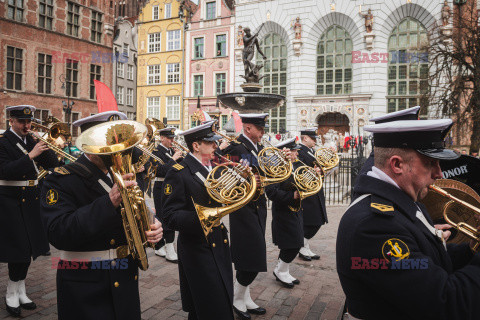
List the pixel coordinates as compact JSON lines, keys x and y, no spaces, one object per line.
{"x":160,"y":83}
{"x":50,"y":53}
{"x":209,"y":54}
{"x":331,"y":58}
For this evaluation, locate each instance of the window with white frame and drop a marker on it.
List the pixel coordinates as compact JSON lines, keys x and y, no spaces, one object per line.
{"x":168,"y":10}
{"x":173,"y":40}
{"x":155,"y":15}
{"x":154,"y":42}
{"x":198,"y":48}
{"x":120,"y":93}
{"x":153,"y":107}
{"x":120,"y":69}
{"x":220,"y":83}
{"x":173,"y":108}
{"x":125,"y":49}
{"x":173,"y":72}
{"x":153,"y":74}
{"x":130,"y":72}
{"x":221,"y":45}
{"x":129,"y":97}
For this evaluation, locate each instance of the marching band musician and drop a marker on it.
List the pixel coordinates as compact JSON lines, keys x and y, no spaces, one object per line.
{"x":170,"y":157}
{"x":406,"y":114}
{"x":314,"y":209}
{"x":22,"y":237}
{"x":205,"y":266}
{"x":287,"y":224}
{"x":249,"y":253}
{"x":392,"y":262}
{"x":80,"y":206}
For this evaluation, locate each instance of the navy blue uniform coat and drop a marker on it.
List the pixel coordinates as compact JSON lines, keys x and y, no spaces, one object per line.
{"x":448,"y":288}
{"x":314,"y":209}
{"x":84,"y":219}
{"x":287,"y":225}
{"x":22,"y":235}
{"x":205,"y":268}
{"x":247,"y":225}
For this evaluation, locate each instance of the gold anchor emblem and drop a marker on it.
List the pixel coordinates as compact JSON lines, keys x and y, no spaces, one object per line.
{"x":395,"y":249}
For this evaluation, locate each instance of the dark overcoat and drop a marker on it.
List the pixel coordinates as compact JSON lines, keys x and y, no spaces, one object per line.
{"x":287,"y":224}
{"x":205,"y":267}
{"x":314,"y":209}
{"x":79,"y":216}
{"x":247,"y":225}
{"x":21,"y":232}
{"x":423,"y":279}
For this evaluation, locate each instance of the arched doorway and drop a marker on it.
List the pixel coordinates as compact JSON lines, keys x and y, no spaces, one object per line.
{"x":333,"y":120}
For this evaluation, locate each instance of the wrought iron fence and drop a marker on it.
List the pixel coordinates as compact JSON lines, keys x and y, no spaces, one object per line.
{"x":338,"y":185}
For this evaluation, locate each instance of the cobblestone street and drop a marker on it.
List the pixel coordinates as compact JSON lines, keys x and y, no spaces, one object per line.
{"x":318,"y":296}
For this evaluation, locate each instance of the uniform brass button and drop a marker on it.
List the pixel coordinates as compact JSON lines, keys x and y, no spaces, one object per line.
{"x":136,"y":277}
{"x":23,"y":200}
{"x":213,"y":245}
{"x":211,"y":230}
{"x":225,"y":241}
{"x":36,"y":198}
{"x":114,"y":263}
{"x":23,"y":188}
{"x":112,"y":242}
{"x":116,"y":284}
{"x":24,"y":176}
{"x":221,"y":226}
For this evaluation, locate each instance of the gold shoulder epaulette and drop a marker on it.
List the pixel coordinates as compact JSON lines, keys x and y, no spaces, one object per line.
{"x":381,"y":207}
{"x":177,"y":166}
{"x":61,"y":170}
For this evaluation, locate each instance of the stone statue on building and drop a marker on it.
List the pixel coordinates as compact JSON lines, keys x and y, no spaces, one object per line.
{"x":250,"y":42}
{"x":368,"y":20}
{"x":240,"y":35}
{"x":446,"y":13}
{"x":297,"y":27}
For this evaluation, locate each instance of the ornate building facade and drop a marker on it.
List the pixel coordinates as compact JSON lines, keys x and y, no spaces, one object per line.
{"x":209,"y":56}
{"x":341,"y":62}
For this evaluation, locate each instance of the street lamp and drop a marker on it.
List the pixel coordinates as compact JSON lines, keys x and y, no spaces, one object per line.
{"x":68,"y":105}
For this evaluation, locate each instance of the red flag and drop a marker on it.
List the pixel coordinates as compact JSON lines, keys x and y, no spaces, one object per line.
{"x":105,"y":99}
{"x":237,"y":121}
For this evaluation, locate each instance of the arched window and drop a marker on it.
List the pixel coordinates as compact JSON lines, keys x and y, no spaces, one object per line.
{"x":407,"y":65}
{"x":334,"y":62}
{"x":275,"y":80}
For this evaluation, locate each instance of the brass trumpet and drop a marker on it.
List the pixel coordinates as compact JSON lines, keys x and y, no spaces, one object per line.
{"x":117,"y":139}
{"x":463,"y":196}
{"x":230,"y":184}
{"x":180,"y":147}
{"x":52,"y":133}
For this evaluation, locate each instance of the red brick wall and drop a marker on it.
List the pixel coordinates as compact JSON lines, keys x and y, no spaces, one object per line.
{"x":33,"y":40}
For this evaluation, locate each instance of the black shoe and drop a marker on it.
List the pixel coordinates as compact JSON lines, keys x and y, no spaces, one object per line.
{"x":46,"y":254}
{"x":172,"y":261}
{"x":296,"y":281}
{"x":304,"y":257}
{"x":28,"y":306}
{"x":288,"y":285}
{"x":258,"y":310}
{"x":315,"y":257}
{"x":242,"y":315}
{"x":14,"y":312}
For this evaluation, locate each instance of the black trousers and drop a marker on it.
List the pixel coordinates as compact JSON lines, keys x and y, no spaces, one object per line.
{"x":287,"y":255}
{"x":245,"y":278}
{"x":310,"y":231}
{"x":168,"y":237}
{"x":18,"y":270}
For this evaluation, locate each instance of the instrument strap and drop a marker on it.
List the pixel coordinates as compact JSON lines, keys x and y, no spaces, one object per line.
{"x":200,"y":176}
{"x":436,"y":232}
{"x":26,"y":153}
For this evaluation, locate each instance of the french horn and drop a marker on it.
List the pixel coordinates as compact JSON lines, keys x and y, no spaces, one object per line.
{"x":116,"y":139}
{"x":230,"y":184}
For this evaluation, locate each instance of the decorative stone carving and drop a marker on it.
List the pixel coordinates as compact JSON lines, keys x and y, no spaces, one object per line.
{"x":240,"y":100}
{"x":369,"y":37}
{"x":297,"y":42}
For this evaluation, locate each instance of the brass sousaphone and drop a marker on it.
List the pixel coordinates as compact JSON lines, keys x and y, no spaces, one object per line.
{"x":116,"y":139}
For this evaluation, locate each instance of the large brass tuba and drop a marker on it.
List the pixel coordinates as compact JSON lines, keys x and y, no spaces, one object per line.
{"x":117,"y":140}
{"x":230,"y":184}
{"x":459,"y":205}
